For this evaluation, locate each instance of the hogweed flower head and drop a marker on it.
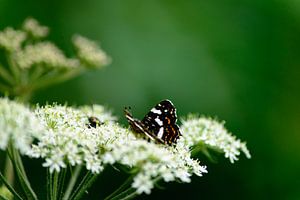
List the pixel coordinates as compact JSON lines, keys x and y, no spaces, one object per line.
{"x":89,"y":52}
{"x":18,"y":125}
{"x":200,"y":130}
{"x":64,"y":138}
{"x":44,"y":53}
{"x":69,"y":141}
{"x":41,"y":62}
{"x":11,"y":40}
{"x":152,"y":161}
{"x":32,"y":27}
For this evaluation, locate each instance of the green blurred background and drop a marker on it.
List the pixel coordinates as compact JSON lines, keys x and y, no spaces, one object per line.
{"x":237,"y":60}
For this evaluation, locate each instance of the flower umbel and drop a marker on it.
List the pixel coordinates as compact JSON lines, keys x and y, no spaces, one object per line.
{"x":34,"y":29}
{"x":31,"y":63}
{"x":89,"y":52}
{"x":44,"y":53}
{"x":11,"y":39}
{"x":64,"y":138}
{"x":69,"y":141}
{"x":213,"y":134}
{"x":18,"y":125}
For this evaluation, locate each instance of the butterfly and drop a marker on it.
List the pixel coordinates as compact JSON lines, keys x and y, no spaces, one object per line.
{"x":158,"y":125}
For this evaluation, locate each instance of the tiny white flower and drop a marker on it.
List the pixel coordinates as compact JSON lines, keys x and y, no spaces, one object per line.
{"x":183,"y":175}
{"x":143,"y":184}
{"x":55,"y":162}
{"x":93,"y":163}
{"x":108,"y":158}
{"x":166,"y":173}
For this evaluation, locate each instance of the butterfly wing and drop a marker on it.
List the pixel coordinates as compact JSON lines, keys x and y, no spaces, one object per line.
{"x":137,"y":126}
{"x":161,"y":122}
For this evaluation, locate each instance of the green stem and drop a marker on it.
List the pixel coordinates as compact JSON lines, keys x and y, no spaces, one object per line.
{"x":9,"y":171}
{"x":72,"y":182}
{"x":55,"y":78}
{"x":55,"y":186}
{"x":130,"y":192}
{"x":85,"y":184}
{"x":9,"y":187}
{"x":5,"y":75}
{"x":49,"y":185}
{"x":61,"y":183}
{"x":131,"y":195}
{"x":202,"y":148}
{"x":36,"y":73}
{"x":3,"y":198}
{"x":13,"y":67}
{"x":21,"y":174}
{"x":121,"y":188}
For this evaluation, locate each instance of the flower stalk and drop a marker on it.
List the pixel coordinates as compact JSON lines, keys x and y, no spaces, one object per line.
{"x":72,"y":182}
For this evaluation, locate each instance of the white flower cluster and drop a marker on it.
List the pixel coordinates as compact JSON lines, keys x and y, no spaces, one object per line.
{"x":89,"y":52}
{"x":44,"y":53}
{"x":152,"y":161}
{"x":69,"y":140}
{"x":64,"y":138}
{"x":34,"y":29}
{"x":11,"y":40}
{"x":35,"y":52}
{"x":18,"y":126}
{"x":201,"y":130}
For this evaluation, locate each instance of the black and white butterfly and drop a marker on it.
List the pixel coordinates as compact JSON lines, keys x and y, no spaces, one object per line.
{"x":159,"y":124}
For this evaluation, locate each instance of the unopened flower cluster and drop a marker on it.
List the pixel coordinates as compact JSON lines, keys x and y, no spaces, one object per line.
{"x":35,"y":52}
{"x":89,"y":52}
{"x":18,"y":126}
{"x":213,"y":134}
{"x":44,"y":53}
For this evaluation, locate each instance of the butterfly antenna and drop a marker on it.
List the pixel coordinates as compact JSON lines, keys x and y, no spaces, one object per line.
{"x":127,"y":111}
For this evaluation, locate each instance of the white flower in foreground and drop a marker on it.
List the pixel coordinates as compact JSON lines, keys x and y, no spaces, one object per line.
{"x":17,"y":124}
{"x":89,"y":52}
{"x":11,"y":39}
{"x":55,"y":162}
{"x":200,"y":130}
{"x":152,"y":161}
{"x":69,"y":134}
{"x":143,"y":184}
{"x":70,"y":141}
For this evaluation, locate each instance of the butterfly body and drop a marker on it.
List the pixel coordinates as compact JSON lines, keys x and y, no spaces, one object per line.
{"x":159,"y":124}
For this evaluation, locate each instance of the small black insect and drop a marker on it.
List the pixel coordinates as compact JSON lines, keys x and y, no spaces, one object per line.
{"x":159,"y":124}
{"x":94,"y":122}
